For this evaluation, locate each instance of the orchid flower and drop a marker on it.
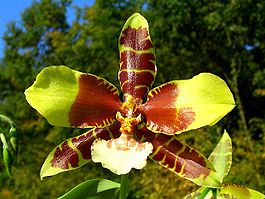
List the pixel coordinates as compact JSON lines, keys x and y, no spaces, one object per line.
{"x":143,"y":124}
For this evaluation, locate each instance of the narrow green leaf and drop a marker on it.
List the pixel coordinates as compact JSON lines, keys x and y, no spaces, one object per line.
{"x":93,"y":189}
{"x":221,"y":157}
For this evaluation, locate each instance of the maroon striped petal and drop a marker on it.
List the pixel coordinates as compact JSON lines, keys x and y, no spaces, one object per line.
{"x":65,"y":157}
{"x":84,"y":142}
{"x":183,"y":105}
{"x":178,"y":157}
{"x":96,"y":103}
{"x":137,"y":58}
{"x":136,"y":38}
{"x":161,"y":111}
{"x":76,"y":152}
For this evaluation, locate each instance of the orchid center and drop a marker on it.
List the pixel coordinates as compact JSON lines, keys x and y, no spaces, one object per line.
{"x":124,"y":153}
{"x":127,"y":123}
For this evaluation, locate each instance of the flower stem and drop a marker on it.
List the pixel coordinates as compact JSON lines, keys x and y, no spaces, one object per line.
{"x":124,"y":186}
{"x":204,"y":193}
{"x":214,"y":193}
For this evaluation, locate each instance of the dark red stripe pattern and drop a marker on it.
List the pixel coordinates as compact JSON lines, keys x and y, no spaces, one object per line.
{"x":174,"y":155}
{"x":179,"y":158}
{"x":137,"y":62}
{"x":136,"y":39}
{"x":96,"y":103}
{"x":161,"y":112}
{"x":65,"y":156}
{"x":83,"y":143}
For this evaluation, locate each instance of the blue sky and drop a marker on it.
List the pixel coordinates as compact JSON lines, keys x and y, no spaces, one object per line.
{"x":11,"y":9}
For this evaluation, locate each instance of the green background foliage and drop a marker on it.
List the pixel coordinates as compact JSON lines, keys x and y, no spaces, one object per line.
{"x":222,"y":37}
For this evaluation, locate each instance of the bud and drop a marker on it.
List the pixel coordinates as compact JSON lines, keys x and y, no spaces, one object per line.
{"x":7,"y":161}
{"x":13,"y":140}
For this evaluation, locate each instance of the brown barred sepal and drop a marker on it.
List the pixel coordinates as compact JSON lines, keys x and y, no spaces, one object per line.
{"x":179,"y":158}
{"x":137,"y":58}
{"x":75,"y":152}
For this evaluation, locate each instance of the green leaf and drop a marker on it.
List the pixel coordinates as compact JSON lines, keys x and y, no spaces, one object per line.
{"x":237,"y":191}
{"x":221,"y":157}
{"x":93,"y":189}
{"x":226,"y":191}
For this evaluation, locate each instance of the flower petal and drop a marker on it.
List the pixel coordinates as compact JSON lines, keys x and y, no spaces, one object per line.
{"x":137,"y":58}
{"x":181,"y":159}
{"x":120,"y":155}
{"x":183,"y":105}
{"x":67,"y":97}
{"x":75,"y":152}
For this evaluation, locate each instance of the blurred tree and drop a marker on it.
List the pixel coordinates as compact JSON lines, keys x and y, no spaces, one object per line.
{"x":222,"y":37}
{"x":27,"y":49}
{"x":91,"y":43}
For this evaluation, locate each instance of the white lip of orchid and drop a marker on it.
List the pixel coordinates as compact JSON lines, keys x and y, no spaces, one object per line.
{"x":122,"y":154}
